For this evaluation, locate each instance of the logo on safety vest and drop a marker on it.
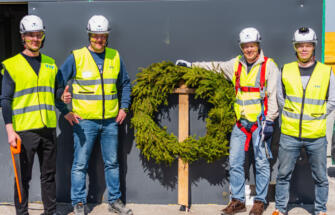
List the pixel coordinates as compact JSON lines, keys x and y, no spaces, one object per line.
{"x":49,"y":66}
{"x":317,"y":86}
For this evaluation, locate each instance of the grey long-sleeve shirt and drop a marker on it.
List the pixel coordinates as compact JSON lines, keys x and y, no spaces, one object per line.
{"x":304,"y":79}
{"x":227,"y":67}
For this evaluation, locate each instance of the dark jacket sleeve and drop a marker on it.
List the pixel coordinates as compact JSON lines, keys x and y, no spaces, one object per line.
{"x":123,"y":86}
{"x":65,"y":73}
{"x":7,"y":93}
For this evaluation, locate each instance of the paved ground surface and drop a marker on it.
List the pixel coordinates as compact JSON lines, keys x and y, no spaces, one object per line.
{"x":196,"y":209}
{"x":144,"y":209}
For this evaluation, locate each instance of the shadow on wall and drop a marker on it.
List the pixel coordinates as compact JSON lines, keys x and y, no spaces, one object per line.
{"x":126,"y":140}
{"x":165,"y":174}
{"x":201,"y":169}
{"x":64,"y":160}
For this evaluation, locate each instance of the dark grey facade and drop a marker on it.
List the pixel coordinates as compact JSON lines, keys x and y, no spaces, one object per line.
{"x":150,"y":31}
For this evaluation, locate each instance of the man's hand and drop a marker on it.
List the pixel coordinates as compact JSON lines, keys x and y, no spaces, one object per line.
{"x":72,"y":118}
{"x":183,"y":63}
{"x":66,"y":96}
{"x":121,"y":116}
{"x":13,"y":137}
{"x":268,"y":129}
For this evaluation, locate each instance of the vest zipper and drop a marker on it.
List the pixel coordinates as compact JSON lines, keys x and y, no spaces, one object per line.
{"x":103,"y":94}
{"x":303,"y":101}
{"x":102,"y":84}
{"x":38,"y":98}
{"x":302,"y":111}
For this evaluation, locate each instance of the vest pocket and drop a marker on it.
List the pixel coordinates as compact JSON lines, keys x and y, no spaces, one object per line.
{"x":317,"y":114}
{"x":288,"y":109}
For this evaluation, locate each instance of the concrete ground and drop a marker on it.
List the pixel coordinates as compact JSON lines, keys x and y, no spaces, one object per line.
{"x":145,"y":209}
{"x":173,"y":209}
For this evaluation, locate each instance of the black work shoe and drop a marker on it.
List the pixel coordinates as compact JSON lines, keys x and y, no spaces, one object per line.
{"x":119,"y":208}
{"x":79,"y":209}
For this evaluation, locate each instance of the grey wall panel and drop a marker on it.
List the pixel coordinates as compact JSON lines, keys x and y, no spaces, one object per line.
{"x":149,"y":31}
{"x":330,"y":16}
{"x":168,"y":30}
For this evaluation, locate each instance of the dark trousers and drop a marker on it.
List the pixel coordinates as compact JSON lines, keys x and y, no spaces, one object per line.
{"x":42,"y":142}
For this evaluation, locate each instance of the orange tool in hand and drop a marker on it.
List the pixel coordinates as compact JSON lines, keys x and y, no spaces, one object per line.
{"x":15,"y":151}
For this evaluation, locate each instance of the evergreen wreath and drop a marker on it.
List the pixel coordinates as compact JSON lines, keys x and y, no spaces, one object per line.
{"x":151,"y":90}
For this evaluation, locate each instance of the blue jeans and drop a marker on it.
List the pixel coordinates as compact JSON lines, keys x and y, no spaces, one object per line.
{"x":85,"y":136}
{"x":236,"y":161}
{"x":289,"y":151}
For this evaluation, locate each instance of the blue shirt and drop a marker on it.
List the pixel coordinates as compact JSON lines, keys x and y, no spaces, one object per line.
{"x":67,"y":72}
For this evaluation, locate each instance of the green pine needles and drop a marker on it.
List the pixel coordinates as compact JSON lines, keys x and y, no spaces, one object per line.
{"x":152,"y":88}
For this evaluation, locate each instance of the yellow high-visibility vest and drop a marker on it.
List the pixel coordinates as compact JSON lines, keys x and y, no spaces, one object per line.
{"x":94,"y":94}
{"x":33,"y":102}
{"x":304,"y":112}
{"x":248,"y":104}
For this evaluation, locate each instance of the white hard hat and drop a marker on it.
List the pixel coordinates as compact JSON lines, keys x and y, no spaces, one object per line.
{"x":305,"y":35}
{"x":98,"y":24}
{"x":248,"y":35}
{"x":31,"y":23}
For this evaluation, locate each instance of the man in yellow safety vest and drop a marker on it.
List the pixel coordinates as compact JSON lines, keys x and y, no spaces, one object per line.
{"x":254,"y":77}
{"x":28,"y":109}
{"x":305,"y":95}
{"x":100,"y":102}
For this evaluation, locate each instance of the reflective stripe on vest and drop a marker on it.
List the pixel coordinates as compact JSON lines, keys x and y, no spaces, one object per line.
{"x":33,"y":101}
{"x":248,"y":98}
{"x":304,"y":112}
{"x":95,"y":97}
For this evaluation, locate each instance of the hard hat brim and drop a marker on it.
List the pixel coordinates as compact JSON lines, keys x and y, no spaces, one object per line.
{"x":307,"y":41}
{"x":255,"y":41}
{"x":42,"y":30}
{"x":98,"y":32}
{"x":315,"y":42}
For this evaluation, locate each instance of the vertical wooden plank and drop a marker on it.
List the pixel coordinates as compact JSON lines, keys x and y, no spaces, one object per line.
{"x":183,"y":176}
{"x":183,"y":183}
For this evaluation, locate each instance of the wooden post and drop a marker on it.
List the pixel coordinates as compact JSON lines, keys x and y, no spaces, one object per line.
{"x":183,"y":132}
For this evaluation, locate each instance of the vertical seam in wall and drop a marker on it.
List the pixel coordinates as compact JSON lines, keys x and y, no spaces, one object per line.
{"x":323,"y":30}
